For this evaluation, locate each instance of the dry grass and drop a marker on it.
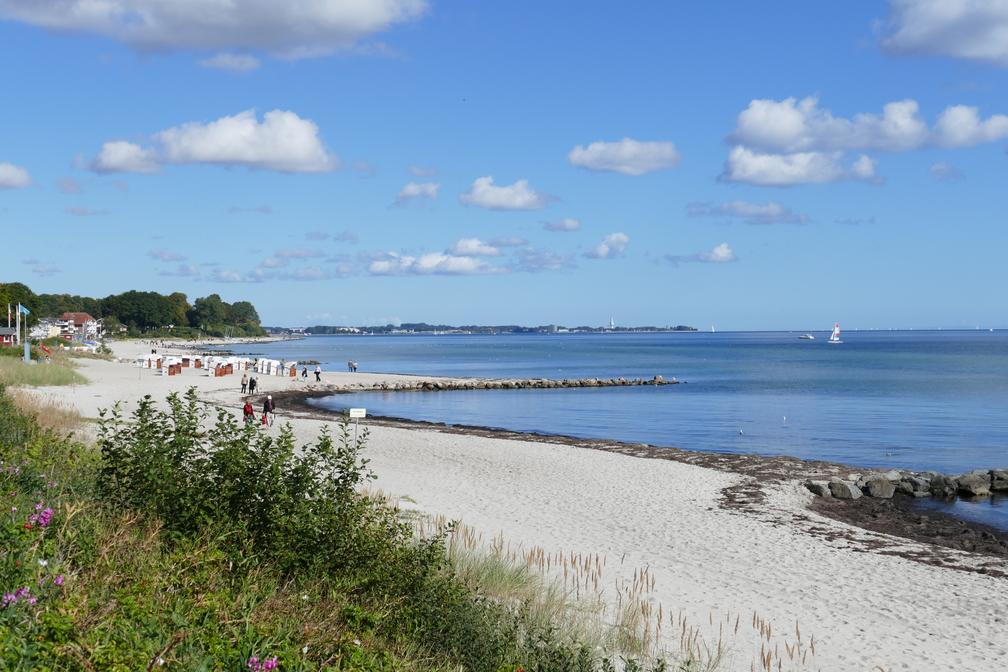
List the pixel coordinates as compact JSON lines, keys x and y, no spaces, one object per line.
{"x":50,"y":412}
{"x":14,"y":372}
{"x":613,"y":608}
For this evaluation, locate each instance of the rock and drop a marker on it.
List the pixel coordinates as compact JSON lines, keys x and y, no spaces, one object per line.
{"x":921,"y":493}
{"x":818,"y":488}
{"x":853,"y":477}
{"x":920,"y":483}
{"x":974,"y":485}
{"x":999,"y":479}
{"x":844,"y":490}
{"x":905,"y":486}
{"x":892,"y":475}
{"x":657,"y":380}
{"x":880,"y":488}
{"x":943,"y":486}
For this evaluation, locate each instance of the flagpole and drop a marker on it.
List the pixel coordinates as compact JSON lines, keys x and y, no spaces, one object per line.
{"x":18,"y":330}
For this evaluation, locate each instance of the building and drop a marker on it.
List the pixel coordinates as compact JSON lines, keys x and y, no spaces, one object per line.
{"x":8,"y":337}
{"x":79,"y":327}
{"x":46,"y":328}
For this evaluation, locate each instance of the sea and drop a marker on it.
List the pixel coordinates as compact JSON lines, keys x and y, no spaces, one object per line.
{"x":920,"y":400}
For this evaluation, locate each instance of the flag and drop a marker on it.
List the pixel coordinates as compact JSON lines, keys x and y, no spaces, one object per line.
{"x":23,"y":310}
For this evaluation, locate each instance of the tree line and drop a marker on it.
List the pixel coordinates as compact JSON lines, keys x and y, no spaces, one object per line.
{"x":144,"y":312}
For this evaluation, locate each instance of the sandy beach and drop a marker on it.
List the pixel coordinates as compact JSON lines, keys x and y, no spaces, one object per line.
{"x":866,"y":602}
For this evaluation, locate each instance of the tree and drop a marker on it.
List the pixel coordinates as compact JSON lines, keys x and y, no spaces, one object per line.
{"x":179,"y":309}
{"x":209,"y":312}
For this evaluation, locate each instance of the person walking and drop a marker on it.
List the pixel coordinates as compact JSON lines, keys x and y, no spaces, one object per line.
{"x":304,"y":372}
{"x":248,"y":413}
{"x":269,"y":410}
{"x":244,"y":382}
{"x":318,"y":373}
{"x":252,"y":385}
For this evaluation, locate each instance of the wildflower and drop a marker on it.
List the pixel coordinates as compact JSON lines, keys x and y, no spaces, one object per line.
{"x":253,"y":663}
{"x":13,"y":509}
{"x":32,"y":600}
{"x":58,"y":580}
{"x":8,"y":599}
{"x":38,"y":507}
{"x":43,"y":562}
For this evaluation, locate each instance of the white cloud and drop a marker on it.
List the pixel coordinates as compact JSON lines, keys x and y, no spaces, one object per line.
{"x":753,"y":213}
{"x":283,"y":141}
{"x":791,"y":141}
{"x":518,"y":196}
{"x":232,"y":62}
{"x":970,"y":29}
{"x":566,"y":224}
{"x":961,"y":126}
{"x":611,"y":246}
{"x":292,"y":28}
{"x":943,"y":171}
{"x":473,"y":247}
{"x":627,"y":156}
{"x":120,"y":156}
{"x":415,"y":190}
{"x":792,"y":125}
{"x":746,"y":165}
{"x":534,"y":260}
{"x":13,"y":177}
{"x":432,"y":263}
{"x":719,"y":254}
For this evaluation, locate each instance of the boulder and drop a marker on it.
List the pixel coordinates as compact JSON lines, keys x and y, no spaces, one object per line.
{"x":880,"y":488}
{"x":905,"y":486}
{"x":999,"y":479}
{"x":974,"y":485}
{"x":818,"y":488}
{"x":892,"y":475}
{"x":658,"y":380}
{"x":943,"y":486}
{"x":844,"y":490}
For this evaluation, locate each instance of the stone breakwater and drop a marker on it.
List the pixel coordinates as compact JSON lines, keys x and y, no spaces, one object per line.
{"x":885,"y":484}
{"x":515,"y":384}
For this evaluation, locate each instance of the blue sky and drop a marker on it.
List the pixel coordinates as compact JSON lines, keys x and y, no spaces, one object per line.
{"x":747,"y":165}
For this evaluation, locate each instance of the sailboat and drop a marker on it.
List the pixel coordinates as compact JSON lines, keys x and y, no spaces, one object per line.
{"x":834,"y":338}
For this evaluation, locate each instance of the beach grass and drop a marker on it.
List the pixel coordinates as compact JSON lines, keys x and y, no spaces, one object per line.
{"x":14,"y":372}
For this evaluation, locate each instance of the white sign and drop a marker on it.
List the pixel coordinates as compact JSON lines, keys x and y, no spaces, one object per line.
{"x":358,"y":412}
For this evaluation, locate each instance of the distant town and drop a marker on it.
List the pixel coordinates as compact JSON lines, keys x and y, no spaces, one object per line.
{"x":424,"y":328}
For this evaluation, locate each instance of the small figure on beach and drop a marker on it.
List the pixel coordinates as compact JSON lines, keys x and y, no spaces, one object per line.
{"x":318,"y":373}
{"x":269,"y":409}
{"x":349,"y":365}
{"x":248,"y":413}
{"x":304,"y":372}
{"x":245,"y":382}
{"x":353,"y":366}
{"x":252,"y":385}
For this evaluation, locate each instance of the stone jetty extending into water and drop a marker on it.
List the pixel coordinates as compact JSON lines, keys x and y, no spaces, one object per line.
{"x":445,"y":385}
{"x":885,"y":484}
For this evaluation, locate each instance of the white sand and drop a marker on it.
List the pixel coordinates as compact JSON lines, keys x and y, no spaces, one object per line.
{"x":867,"y":610}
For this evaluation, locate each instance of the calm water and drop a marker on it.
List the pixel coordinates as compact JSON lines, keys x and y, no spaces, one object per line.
{"x":916,"y":400}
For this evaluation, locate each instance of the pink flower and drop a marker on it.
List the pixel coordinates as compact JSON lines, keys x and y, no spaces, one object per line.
{"x":58,"y":580}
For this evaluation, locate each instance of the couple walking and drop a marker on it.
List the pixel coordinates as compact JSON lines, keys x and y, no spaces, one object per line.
{"x":269,"y":411}
{"x":318,"y":373}
{"x":248,"y":384}
{"x":351,"y":366}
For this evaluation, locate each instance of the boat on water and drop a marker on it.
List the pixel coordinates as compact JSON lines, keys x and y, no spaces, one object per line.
{"x":807,"y":337}
{"x":834,"y":338}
